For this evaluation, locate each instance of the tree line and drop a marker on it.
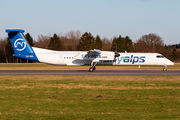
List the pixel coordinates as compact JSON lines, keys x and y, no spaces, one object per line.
{"x":75,"y":41}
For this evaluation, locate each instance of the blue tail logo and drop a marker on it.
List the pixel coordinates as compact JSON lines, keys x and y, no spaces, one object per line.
{"x":20,"y":44}
{"x":21,"y":47}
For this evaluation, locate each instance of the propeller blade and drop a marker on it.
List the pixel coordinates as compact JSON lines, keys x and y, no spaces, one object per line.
{"x":116,"y":49}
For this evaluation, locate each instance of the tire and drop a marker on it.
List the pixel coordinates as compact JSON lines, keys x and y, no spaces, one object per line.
{"x":94,"y":68}
{"x":91,"y":69}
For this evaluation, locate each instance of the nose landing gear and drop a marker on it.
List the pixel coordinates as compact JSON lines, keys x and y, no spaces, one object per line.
{"x":165,"y":68}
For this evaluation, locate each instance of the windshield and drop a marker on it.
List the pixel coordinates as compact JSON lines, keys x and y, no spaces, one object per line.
{"x":159,"y":56}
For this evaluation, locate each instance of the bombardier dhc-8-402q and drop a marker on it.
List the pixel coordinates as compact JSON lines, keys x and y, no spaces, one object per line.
{"x":92,"y":57}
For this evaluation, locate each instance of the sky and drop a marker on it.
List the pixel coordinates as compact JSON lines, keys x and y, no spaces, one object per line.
{"x":106,"y":18}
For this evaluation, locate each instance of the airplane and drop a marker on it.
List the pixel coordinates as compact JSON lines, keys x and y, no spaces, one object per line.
{"x":92,"y":57}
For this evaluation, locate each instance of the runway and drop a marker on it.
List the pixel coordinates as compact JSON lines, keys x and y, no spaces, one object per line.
{"x":95,"y":73}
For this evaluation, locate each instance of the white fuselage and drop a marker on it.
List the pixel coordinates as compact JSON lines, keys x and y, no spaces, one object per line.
{"x":105,"y":58}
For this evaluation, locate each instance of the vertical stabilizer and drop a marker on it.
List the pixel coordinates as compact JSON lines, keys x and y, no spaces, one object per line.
{"x":21,"y":47}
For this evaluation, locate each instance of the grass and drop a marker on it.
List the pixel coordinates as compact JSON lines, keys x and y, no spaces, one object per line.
{"x":89,"y":97}
{"x":53,"y":67}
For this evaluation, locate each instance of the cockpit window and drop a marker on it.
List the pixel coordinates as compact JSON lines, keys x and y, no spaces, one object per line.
{"x":159,"y":56}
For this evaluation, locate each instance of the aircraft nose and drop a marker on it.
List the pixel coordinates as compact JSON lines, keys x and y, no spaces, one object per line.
{"x":168,"y":62}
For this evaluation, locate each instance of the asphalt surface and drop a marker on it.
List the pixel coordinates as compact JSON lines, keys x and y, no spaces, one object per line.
{"x":95,"y":73}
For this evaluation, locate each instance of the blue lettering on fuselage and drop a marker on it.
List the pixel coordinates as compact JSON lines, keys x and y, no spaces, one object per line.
{"x":119,"y":60}
{"x":132,"y":59}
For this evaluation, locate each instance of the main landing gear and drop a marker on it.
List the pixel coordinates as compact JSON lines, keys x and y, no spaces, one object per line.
{"x":93,"y":67}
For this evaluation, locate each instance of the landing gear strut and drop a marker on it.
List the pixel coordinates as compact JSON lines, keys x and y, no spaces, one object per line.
{"x":93,"y":67}
{"x":165,"y":68}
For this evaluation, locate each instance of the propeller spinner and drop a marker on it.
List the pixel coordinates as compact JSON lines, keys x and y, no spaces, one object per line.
{"x":116,"y":54}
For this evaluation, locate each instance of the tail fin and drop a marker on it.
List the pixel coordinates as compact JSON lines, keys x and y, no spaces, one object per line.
{"x":21,"y":47}
{"x":18,"y":42}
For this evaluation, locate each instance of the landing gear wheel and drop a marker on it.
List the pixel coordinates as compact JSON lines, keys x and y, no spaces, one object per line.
{"x":164,"y":69}
{"x":94,"y":68}
{"x":91,"y":69}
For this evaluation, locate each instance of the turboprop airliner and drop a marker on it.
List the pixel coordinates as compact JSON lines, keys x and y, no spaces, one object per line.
{"x":92,"y":57}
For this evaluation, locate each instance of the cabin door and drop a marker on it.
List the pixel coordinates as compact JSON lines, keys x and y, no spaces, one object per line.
{"x":61,"y":59}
